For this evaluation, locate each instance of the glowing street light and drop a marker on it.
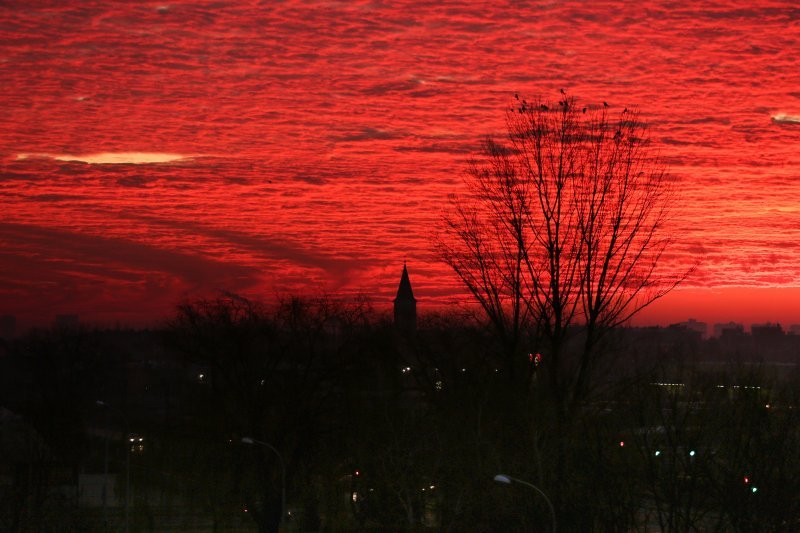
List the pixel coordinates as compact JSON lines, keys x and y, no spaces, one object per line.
{"x":249,"y":440}
{"x":503,"y":478}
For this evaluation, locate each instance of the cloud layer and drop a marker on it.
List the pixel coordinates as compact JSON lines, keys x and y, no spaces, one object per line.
{"x":338,"y":128}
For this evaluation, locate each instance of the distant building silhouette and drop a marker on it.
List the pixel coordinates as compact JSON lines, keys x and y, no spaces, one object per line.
{"x":66,"y":321}
{"x":405,"y":306}
{"x":766,"y":331}
{"x":728,"y":329}
{"x":8,"y":326}
{"x":693,"y":325}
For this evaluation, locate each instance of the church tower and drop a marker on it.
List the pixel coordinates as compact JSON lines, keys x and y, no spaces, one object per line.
{"x":405,"y":306}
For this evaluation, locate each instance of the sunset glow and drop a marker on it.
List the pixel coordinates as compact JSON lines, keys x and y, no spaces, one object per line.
{"x":155,"y":152}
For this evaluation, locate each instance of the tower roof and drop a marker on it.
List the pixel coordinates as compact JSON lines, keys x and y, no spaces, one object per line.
{"x":404,"y":291}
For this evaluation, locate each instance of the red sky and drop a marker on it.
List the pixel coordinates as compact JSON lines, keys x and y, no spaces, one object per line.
{"x":304,"y":146}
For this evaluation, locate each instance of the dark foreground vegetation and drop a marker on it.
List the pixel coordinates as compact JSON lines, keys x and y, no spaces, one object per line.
{"x":383,"y":430}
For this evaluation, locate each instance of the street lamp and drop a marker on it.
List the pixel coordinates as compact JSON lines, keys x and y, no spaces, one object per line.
{"x":101,"y":403}
{"x":503,"y":478}
{"x":249,"y":440}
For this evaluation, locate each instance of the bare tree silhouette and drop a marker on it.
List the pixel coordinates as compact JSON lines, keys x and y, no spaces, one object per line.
{"x":563,"y":225}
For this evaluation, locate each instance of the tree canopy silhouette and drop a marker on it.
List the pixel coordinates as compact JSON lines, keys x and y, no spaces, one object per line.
{"x":563,"y":225}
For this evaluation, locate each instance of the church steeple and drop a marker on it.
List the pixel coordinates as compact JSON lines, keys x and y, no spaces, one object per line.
{"x":405,"y":305}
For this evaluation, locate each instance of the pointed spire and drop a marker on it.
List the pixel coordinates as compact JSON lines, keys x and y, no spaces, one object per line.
{"x":404,"y":291}
{"x":405,"y":306}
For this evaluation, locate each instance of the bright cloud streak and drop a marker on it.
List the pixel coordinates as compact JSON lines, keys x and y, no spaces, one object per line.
{"x":112,"y":158}
{"x":787,"y":119}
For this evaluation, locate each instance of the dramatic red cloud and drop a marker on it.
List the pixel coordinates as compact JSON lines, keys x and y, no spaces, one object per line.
{"x":156,"y":151}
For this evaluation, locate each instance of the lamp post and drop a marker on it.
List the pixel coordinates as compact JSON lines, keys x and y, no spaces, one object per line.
{"x":249,"y":440}
{"x":105,"y":480}
{"x":101,"y":403}
{"x":503,"y":478}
